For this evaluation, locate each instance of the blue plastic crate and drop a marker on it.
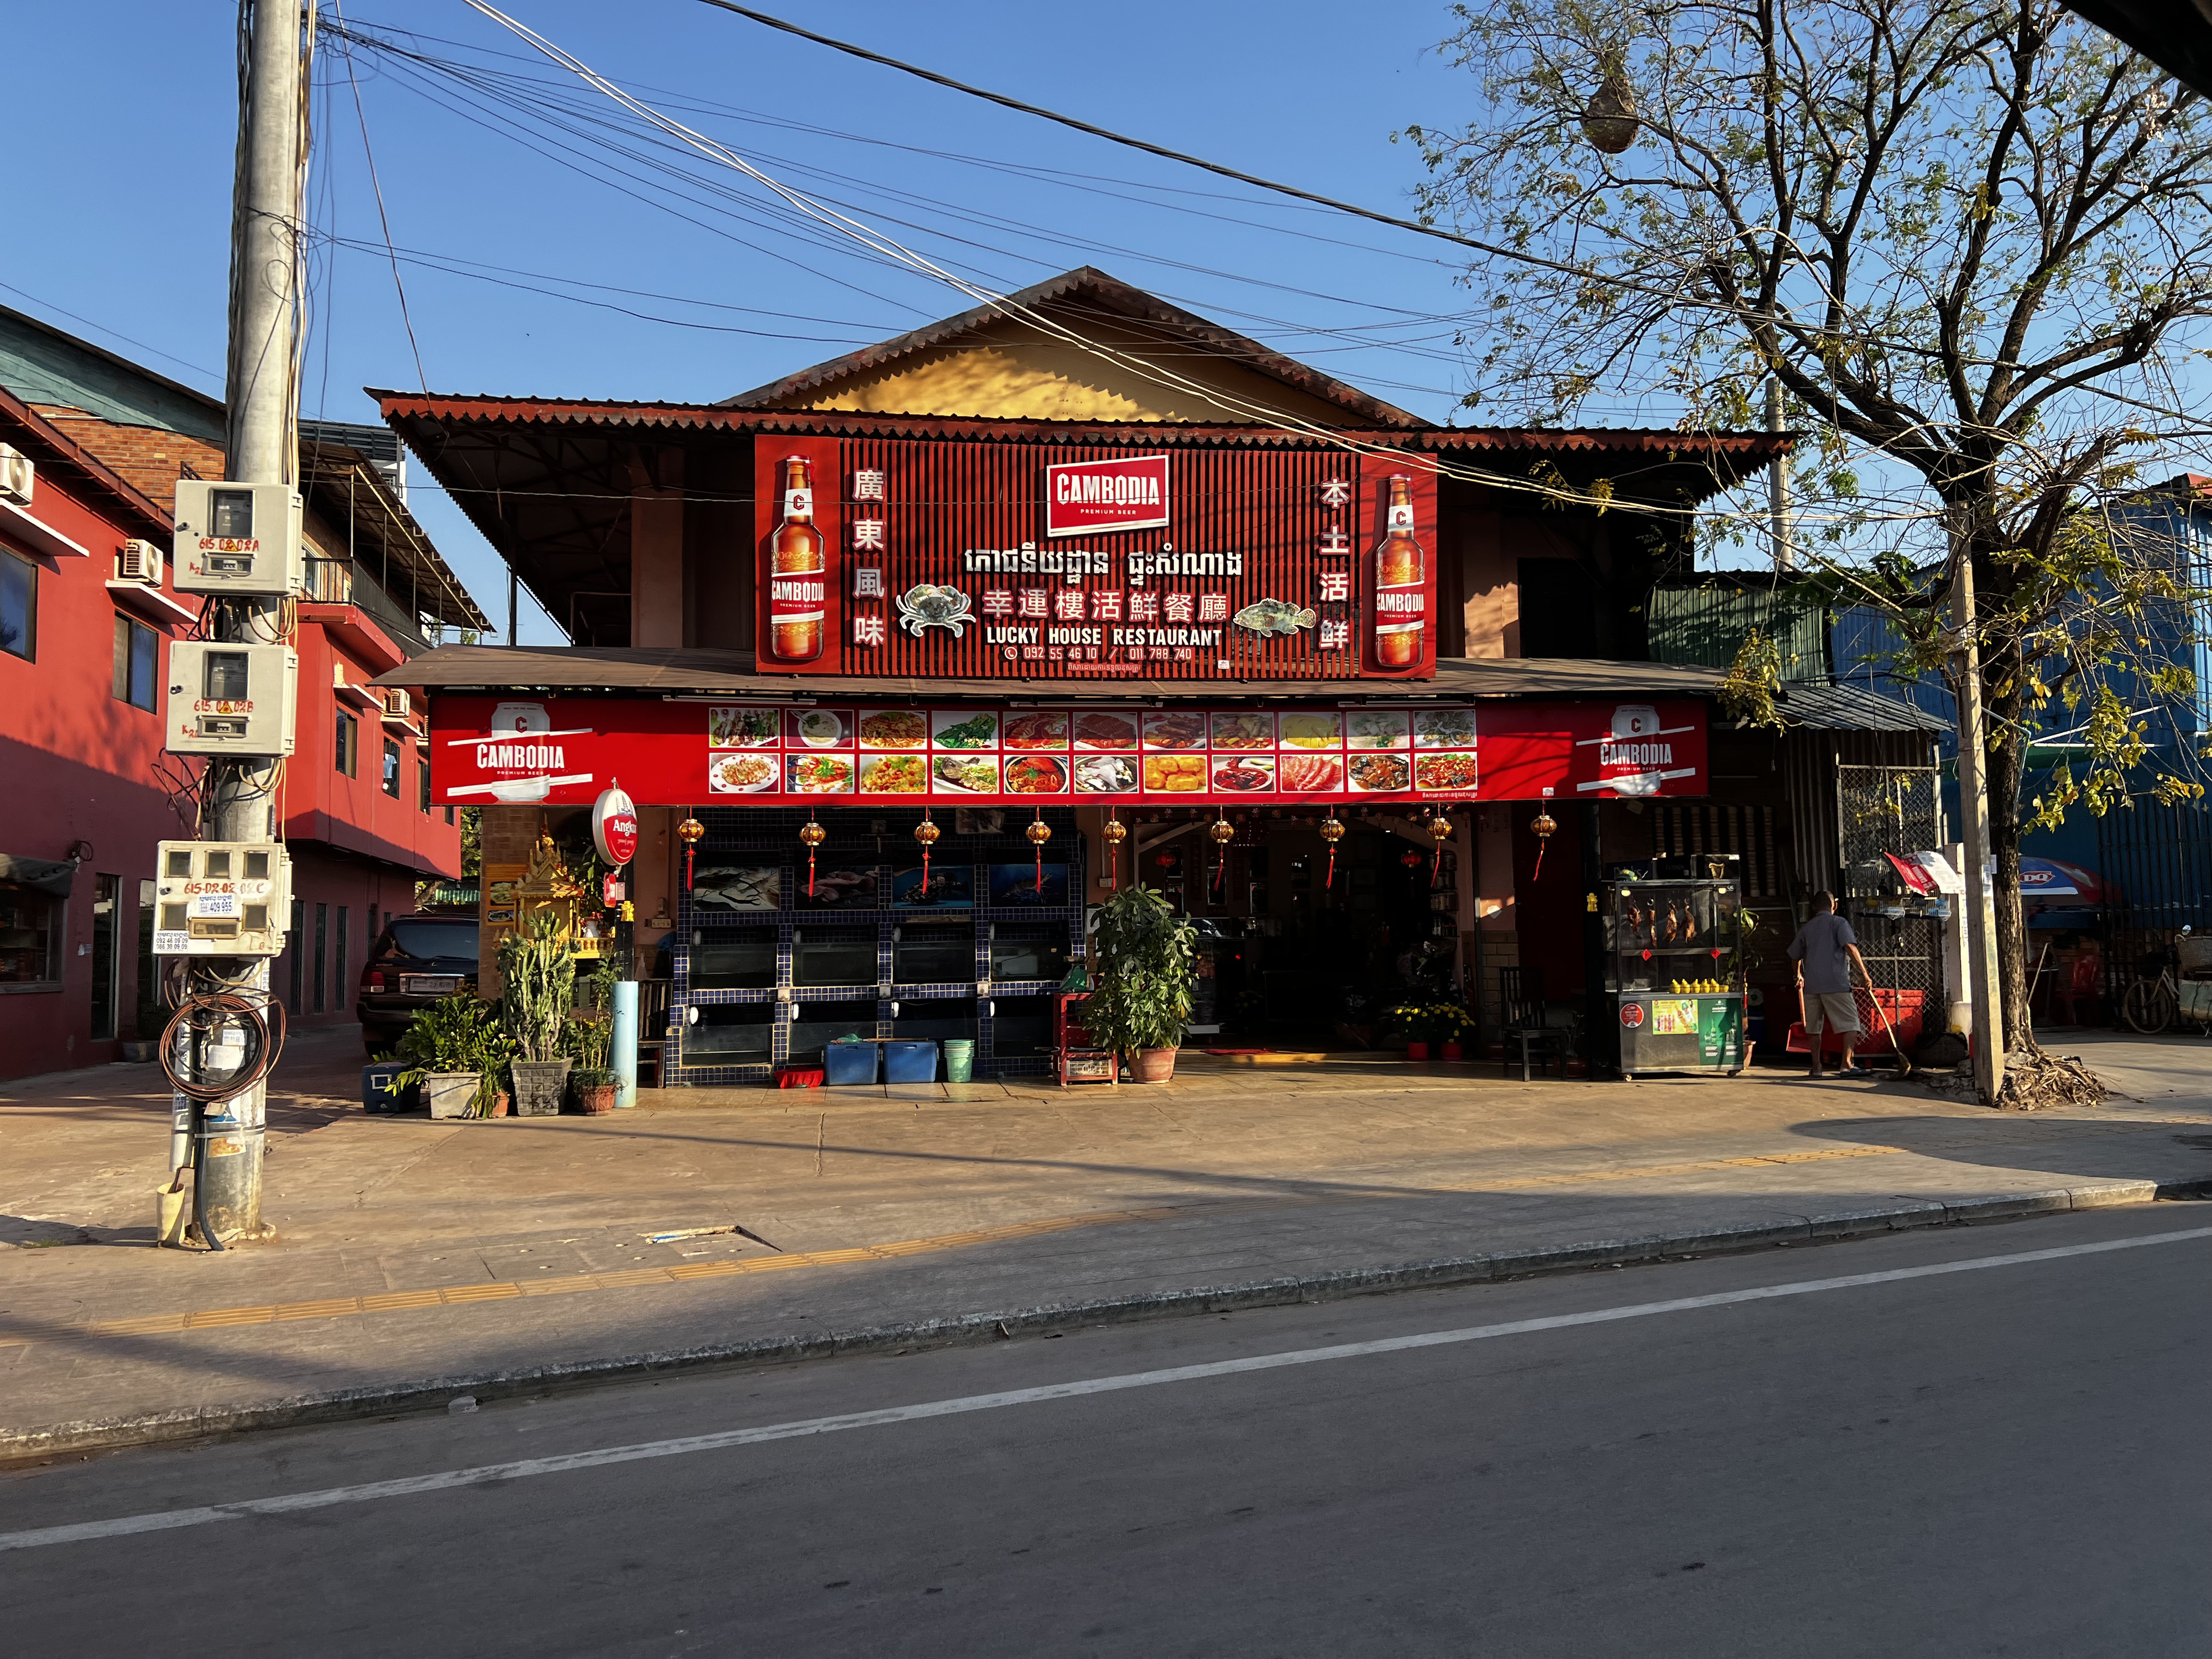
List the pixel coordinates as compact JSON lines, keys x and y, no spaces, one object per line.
{"x":847,"y":1065}
{"x":909,"y":1061}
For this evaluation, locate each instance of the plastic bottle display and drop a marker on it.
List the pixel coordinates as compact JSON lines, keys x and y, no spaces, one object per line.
{"x":798,"y":572}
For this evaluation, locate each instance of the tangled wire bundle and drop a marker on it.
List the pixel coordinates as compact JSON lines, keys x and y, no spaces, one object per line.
{"x":209,"y":1017}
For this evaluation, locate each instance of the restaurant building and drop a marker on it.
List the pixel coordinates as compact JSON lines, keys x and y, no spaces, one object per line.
{"x":1074,"y":580}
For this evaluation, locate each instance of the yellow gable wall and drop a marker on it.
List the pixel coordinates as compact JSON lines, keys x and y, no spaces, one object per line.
{"x":1008,"y":370}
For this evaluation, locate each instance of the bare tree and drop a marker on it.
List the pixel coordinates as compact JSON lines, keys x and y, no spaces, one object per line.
{"x":1970,"y":237}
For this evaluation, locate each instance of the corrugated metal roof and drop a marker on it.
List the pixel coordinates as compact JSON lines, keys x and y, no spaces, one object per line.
{"x":1744,"y":449}
{"x":1847,"y":709}
{"x":1116,"y":299}
{"x":668,"y":670}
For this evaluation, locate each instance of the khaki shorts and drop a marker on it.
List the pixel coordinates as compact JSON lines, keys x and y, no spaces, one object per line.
{"x":1838,"y":1011}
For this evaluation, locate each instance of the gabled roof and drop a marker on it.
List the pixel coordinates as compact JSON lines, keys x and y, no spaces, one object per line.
{"x":102,"y":489}
{"x":1084,"y":289}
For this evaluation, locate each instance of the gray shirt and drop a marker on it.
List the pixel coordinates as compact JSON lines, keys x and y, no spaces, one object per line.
{"x":1820,"y":945}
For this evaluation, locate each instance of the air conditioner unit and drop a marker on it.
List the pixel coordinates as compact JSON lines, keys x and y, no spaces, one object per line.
{"x":398,"y":709}
{"x":221,"y":898}
{"x":17,"y":476}
{"x":227,"y":698}
{"x":138,"y":562}
{"x":236,"y":537}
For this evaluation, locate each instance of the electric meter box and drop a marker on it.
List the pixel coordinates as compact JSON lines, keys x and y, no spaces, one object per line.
{"x":236,"y":537}
{"x":221,"y":898}
{"x":231,"y":698}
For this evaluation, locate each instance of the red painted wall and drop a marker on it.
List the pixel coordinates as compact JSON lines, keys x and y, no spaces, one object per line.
{"x":78,"y":764}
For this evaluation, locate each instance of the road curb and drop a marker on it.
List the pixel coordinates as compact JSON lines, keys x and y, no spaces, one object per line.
{"x":341,"y":1405}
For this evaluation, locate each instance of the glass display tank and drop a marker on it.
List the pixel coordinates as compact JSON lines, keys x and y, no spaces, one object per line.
{"x":1675,"y":964}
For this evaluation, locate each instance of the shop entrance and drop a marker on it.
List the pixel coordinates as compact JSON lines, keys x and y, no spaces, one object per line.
{"x":1289,"y":956}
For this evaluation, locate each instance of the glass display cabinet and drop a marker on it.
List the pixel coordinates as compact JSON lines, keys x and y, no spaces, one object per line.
{"x":1675,"y":967}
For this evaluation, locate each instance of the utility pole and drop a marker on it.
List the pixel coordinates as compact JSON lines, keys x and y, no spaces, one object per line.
{"x":1778,"y":482}
{"x":1974,"y":807}
{"x":261,"y":445}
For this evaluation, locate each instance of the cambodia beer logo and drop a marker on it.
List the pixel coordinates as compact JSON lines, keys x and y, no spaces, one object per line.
{"x":1084,"y":498}
{"x":1635,"y":756}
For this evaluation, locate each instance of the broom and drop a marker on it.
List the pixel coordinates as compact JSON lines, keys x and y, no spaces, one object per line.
{"x":1904,"y":1059}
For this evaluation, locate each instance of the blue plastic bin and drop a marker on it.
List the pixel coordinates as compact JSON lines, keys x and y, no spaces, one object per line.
{"x":910,"y":1061}
{"x":845,"y":1064}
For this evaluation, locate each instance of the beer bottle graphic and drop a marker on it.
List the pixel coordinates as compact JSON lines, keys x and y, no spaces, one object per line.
{"x":798,"y":572}
{"x":1400,"y":586}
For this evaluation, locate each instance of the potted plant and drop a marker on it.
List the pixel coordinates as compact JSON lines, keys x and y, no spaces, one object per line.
{"x":1450,"y":1028}
{"x":585,"y":1036}
{"x":453,"y":1052}
{"x":1141,"y":962}
{"x":540,"y":975}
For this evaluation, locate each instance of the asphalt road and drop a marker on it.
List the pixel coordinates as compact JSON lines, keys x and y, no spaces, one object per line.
{"x":2007,"y":1460}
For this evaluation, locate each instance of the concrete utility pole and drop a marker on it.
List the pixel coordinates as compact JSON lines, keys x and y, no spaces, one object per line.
{"x":262,"y":446}
{"x":1777,"y":482}
{"x":1974,"y":807}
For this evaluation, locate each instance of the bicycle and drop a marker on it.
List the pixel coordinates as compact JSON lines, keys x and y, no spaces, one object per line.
{"x":2154,"y":1001}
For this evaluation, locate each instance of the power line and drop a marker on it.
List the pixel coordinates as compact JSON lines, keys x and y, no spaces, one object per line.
{"x":1111,"y":137}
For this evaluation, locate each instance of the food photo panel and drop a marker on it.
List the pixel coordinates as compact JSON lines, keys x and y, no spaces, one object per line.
{"x":737,"y":726}
{"x":1312,"y":728}
{"x":1243,"y":729}
{"x":1175,"y":729}
{"x":1100,"y":730}
{"x":964,"y":728}
{"x":818,"y":774}
{"x":742,"y":773}
{"x":1244,"y":775}
{"x":1369,"y":729}
{"x":1105,"y":774}
{"x":1443,"y":728}
{"x":1036,"y":728}
{"x":818,"y":728}
{"x":1309,"y":775}
{"x":894,"y":728}
{"x":894,"y":774}
{"x":1036,"y":774}
{"x":1379,"y":774}
{"x":965,"y":775}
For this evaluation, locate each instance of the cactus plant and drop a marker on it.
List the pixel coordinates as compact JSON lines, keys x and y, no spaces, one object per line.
{"x":540,"y":975}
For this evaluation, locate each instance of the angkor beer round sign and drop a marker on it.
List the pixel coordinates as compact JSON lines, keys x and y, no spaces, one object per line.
{"x":614,"y":826}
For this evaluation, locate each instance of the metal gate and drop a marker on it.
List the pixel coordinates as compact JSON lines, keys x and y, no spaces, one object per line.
{"x":1881,"y":810}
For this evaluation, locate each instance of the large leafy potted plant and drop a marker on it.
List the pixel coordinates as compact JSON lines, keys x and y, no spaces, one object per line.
{"x":540,"y":975}
{"x":1140,"y":974}
{"x":454,"y":1051}
{"x":586,"y":1037}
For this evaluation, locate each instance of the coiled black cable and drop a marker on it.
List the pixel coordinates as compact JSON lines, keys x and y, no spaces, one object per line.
{"x":199,"y":1015}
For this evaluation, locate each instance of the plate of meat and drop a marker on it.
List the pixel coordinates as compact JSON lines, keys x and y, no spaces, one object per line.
{"x":1175,"y":729}
{"x":1096,"y":730}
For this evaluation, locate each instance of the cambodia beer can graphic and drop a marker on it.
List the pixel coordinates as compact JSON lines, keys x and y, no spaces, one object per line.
{"x":1636,"y":756}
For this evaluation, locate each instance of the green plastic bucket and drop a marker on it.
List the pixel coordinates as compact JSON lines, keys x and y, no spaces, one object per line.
{"x":959,"y":1059}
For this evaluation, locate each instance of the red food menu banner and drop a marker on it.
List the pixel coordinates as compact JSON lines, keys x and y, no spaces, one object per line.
{"x":563,"y":750}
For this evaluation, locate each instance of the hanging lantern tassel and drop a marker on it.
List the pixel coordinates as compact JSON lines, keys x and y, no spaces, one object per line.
{"x":927,"y":832}
{"x":813,"y":835}
{"x":691,"y":832}
{"x":1332,"y":832}
{"x":1440,"y":829}
{"x":1114,"y":832}
{"x":1541,"y":826}
{"x":1222,"y":832}
{"x":1039,"y":832}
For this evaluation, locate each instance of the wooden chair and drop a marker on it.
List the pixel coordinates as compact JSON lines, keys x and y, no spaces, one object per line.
{"x":1521,"y":990}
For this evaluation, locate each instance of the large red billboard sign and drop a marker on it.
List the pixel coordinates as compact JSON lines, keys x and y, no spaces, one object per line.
{"x":564,"y":750}
{"x":943,"y":559}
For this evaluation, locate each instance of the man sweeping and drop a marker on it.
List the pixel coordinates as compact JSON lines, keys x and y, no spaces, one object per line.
{"x":1825,"y":949}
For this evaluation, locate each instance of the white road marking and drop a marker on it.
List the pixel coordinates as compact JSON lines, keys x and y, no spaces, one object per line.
{"x":485,"y":1474}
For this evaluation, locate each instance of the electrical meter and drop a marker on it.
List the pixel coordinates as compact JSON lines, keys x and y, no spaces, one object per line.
{"x":236,"y":537}
{"x":229,"y":698}
{"x":221,"y":898}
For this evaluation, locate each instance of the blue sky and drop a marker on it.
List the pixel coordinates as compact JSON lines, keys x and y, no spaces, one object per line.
{"x":123,"y":220}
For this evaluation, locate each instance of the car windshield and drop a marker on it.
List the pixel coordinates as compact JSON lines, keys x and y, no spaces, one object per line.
{"x":425,"y":939}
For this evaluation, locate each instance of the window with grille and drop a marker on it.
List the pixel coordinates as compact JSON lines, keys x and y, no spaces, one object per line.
{"x":1683,"y":828}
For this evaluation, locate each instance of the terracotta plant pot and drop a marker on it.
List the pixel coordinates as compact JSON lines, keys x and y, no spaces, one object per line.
{"x":1152,"y":1065}
{"x":499,"y":1102}
{"x":594,"y":1099}
{"x":1453,"y":1051}
{"x":1417,"y":1051}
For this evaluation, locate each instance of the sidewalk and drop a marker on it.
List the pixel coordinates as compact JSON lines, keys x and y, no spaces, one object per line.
{"x":419,"y":1260}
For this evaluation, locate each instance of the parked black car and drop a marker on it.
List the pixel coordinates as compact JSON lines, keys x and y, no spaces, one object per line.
{"x":415,"y":960}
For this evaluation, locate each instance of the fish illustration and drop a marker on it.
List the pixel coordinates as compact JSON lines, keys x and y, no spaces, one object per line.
{"x":1275,"y":616}
{"x":927,"y":605}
